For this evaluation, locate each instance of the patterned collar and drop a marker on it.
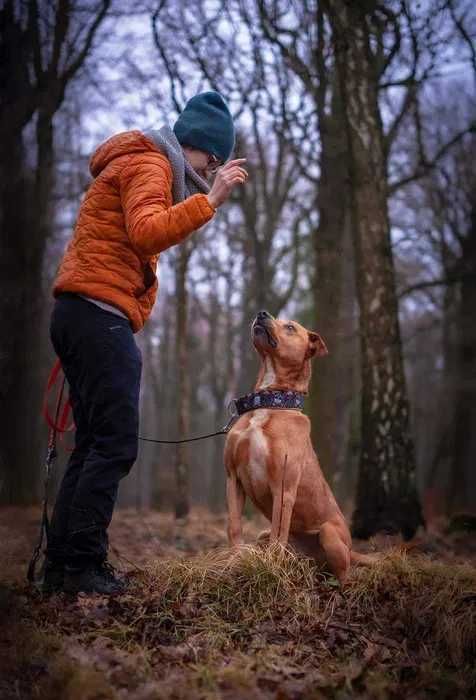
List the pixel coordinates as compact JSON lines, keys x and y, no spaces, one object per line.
{"x":268,"y":399}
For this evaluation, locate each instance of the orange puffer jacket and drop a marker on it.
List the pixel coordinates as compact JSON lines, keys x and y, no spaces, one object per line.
{"x":125,"y":221}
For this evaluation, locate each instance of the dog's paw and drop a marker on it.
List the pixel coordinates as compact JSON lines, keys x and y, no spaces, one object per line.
{"x":263,"y":538}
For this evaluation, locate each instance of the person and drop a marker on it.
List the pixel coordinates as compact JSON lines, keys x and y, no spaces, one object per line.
{"x":150,"y":192}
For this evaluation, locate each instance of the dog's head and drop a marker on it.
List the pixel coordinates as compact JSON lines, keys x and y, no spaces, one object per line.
{"x":286,"y":349}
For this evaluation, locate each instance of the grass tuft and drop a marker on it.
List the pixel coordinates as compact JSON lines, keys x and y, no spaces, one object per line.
{"x":431,"y":602}
{"x":250,"y":582}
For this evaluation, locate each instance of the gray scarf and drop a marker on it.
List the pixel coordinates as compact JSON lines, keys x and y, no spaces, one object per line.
{"x":185,"y":180}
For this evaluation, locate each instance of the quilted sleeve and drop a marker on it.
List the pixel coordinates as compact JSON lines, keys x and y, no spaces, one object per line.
{"x":151,"y":224}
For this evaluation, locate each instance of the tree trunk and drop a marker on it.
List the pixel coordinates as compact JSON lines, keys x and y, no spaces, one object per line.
{"x":29,"y":86}
{"x":462,"y":486}
{"x":26,"y":221}
{"x":330,"y":264}
{"x":387,"y":499}
{"x":182,"y":477}
{"x":438,"y":473}
{"x":20,"y":272}
{"x":217,"y":386}
{"x":18,"y":316}
{"x":249,"y":363}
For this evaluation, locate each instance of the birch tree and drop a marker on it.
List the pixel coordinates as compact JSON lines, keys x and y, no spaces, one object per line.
{"x":387,"y":498}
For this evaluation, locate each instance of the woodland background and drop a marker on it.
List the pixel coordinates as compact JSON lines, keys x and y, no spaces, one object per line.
{"x":358,"y":219}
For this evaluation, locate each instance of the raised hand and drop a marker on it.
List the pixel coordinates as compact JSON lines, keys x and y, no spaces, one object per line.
{"x":227,"y":177}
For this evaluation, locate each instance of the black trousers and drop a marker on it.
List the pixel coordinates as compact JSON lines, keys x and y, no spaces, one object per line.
{"x":102,"y":364}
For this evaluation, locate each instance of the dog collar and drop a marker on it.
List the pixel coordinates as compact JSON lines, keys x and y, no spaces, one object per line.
{"x":267,"y":399}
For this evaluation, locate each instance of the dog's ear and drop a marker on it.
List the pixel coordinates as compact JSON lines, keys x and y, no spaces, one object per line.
{"x":316,"y":345}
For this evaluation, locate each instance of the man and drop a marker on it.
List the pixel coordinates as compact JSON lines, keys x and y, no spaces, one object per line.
{"x":150,"y":192}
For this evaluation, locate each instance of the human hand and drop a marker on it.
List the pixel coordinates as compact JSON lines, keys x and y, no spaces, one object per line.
{"x":227,"y":177}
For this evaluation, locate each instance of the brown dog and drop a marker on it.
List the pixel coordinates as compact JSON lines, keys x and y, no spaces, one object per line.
{"x":269,"y":456}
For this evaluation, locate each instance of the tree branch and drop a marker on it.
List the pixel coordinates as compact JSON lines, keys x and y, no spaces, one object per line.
{"x":76,"y":64}
{"x":62,"y":17}
{"x":173,"y":75}
{"x":466,"y":38}
{"x":33,"y":31}
{"x":427,"y":284}
{"x":423,"y":168}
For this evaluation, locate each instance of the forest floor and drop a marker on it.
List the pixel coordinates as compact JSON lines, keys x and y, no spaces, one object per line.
{"x":200,"y":622}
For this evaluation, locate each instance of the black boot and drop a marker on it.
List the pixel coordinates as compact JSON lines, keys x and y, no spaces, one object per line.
{"x":95,"y":578}
{"x":53,"y":577}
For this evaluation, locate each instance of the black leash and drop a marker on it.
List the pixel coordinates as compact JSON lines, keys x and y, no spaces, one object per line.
{"x":51,"y":455}
{"x":275,"y":399}
{"x":222,"y":431}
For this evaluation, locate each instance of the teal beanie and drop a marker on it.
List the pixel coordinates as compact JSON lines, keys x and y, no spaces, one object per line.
{"x":206,"y":124}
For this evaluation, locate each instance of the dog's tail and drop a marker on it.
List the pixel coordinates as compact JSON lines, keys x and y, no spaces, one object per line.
{"x":361,"y":559}
{"x":364,"y":559}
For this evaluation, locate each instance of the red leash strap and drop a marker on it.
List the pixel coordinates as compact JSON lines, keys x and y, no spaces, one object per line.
{"x":58,"y":424}
{"x":63,"y":410}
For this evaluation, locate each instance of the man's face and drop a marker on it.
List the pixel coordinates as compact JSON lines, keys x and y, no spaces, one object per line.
{"x":205,"y":164}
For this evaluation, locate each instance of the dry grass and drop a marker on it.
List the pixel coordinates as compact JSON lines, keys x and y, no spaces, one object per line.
{"x":248,"y":582}
{"x":253,"y":623}
{"x":412,"y":614}
{"x":432,"y":602}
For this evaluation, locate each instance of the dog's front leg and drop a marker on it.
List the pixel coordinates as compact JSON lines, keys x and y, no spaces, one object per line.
{"x":284,"y":486}
{"x":283,"y":504}
{"x":235,"y":497}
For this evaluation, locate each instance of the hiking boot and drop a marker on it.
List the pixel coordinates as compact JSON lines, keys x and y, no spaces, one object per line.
{"x":95,"y":578}
{"x":53,"y":577}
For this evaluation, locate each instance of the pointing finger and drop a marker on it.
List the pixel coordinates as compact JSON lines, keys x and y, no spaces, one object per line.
{"x":232,"y":163}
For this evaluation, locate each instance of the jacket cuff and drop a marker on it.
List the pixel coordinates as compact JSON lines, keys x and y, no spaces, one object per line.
{"x":204,"y":209}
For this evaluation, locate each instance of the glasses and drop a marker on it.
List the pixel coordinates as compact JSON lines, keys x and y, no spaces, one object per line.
{"x":214,"y":162}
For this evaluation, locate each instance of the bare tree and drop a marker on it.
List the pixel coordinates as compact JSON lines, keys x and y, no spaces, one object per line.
{"x":43,"y":47}
{"x":182,"y":495}
{"x":448,"y":194}
{"x":386,"y":494}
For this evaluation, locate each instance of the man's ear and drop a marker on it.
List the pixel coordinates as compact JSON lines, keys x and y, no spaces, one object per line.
{"x":316,"y":345}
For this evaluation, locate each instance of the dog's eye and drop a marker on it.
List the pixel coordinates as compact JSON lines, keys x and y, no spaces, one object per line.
{"x":290,"y":327}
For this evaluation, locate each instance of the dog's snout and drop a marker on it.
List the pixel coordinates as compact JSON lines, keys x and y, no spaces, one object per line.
{"x":263,"y":314}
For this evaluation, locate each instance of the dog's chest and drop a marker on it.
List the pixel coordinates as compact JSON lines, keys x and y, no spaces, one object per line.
{"x":252,"y":468}
{"x":269,"y":376}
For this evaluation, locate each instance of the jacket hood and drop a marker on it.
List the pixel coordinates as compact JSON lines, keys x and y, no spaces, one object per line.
{"x":122,"y":144}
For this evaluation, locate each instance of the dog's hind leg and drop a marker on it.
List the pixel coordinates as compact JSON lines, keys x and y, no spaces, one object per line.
{"x":235,"y":496}
{"x":337,"y":552}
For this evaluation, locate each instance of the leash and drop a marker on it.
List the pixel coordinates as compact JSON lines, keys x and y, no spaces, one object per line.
{"x":55,"y":426}
{"x":223,"y":431}
{"x":275,"y":399}
{"x":59,"y":424}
